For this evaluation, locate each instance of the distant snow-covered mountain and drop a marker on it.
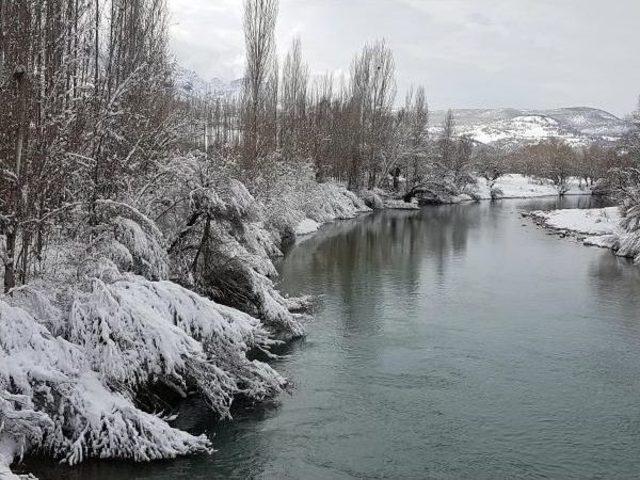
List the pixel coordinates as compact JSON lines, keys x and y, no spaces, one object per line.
{"x":190,"y":83}
{"x":508,"y":127}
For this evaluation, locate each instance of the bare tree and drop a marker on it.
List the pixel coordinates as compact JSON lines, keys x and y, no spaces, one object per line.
{"x":446,"y":144}
{"x":372,"y":94}
{"x":295,"y":79}
{"x":491,"y":164}
{"x":259,"y":31}
{"x":557,"y":162}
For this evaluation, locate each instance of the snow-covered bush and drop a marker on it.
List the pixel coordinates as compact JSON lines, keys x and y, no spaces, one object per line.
{"x":129,"y":239}
{"x":39,"y":300}
{"x":496,"y":193}
{"x":290,"y":194}
{"x":328,"y":202}
{"x":231,"y":279}
{"x":626,"y":185}
{"x":51,"y":400}
{"x":223,"y":241}
{"x":121,"y":331}
{"x":371,"y":199}
{"x":137,"y":332}
{"x":629,"y":246}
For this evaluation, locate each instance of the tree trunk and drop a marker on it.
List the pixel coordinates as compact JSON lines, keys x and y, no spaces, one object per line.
{"x":11,"y":237}
{"x":396,"y":179}
{"x":9,"y":270}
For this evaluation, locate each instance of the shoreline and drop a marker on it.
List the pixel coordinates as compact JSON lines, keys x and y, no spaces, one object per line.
{"x":509,"y":186}
{"x":592,"y":227}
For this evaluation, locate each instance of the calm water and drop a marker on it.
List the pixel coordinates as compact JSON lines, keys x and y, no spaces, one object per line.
{"x":456,"y":342}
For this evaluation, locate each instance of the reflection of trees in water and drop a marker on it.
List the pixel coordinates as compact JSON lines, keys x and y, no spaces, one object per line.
{"x":360,"y":262}
{"x":448,"y":228}
{"x":617,"y":278}
{"x":354,"y":262}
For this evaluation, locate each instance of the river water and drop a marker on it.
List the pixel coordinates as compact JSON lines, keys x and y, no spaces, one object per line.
{"x":454,"y":342}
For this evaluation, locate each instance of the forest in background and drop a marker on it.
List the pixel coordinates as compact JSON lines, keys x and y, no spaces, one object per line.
{"x":138,"y":225}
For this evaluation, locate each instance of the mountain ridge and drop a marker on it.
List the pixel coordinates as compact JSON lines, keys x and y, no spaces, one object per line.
{"x":511,"y":127}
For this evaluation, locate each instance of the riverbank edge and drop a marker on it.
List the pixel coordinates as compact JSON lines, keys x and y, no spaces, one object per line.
{"x":307,"y":228}
{"x":586,"y":227}
{"x":507,"y":187}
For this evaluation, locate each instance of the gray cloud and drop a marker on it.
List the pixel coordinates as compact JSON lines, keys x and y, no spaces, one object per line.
{"x":467,"y":53}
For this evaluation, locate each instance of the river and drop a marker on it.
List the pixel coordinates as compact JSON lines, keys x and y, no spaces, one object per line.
{"x":454,"y":342}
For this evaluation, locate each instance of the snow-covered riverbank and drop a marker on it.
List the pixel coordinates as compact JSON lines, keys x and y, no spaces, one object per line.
{"x":345,"y":205}
{"x":590,"y":222}
{"x":105,"y":325}
{"x":599,"y":227}
{"x":505,"y":187}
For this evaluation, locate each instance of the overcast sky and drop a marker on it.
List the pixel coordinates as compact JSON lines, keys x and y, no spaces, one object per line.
{"x":467,"y":53}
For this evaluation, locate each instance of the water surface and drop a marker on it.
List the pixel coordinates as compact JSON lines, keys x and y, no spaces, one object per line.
{"x":454,"y":342}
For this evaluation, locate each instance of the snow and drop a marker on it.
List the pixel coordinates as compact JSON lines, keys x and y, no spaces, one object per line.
{"x":602,"y":241}
{"x":8,"y":450}
{"x":520,"y":186}
{"x":306,"y":227}
{"x":373,"y":198}
{"x":78,"y":344}
{"x":135,"y":331}
{"x":629,"y":246}
{"x":331,"y":202}
{"x":603,"y":228}
{"x":592,"y":222}
{"x":49,"y":397}
{"x":298,"y":205}
{"x":75,"y":396}
{"x":394,"y":204}
{"x":578,"y":126}
{"x":527,"y":128}
{"x":296,"y":197}
{"x":130,"y":240}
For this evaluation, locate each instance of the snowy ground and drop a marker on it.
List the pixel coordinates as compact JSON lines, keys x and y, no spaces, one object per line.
{"x":519,"y":186}
{"x":306,"y":227}
{"x":599,"y":227}
{"x":591,"y":221}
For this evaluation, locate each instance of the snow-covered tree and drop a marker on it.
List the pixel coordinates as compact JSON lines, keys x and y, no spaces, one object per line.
{"x":625,"y":182}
